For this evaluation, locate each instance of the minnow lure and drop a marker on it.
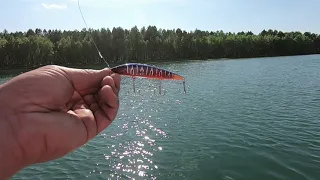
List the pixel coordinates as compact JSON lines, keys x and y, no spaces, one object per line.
{"x":139,"y":70}
{"x":147,"y":71}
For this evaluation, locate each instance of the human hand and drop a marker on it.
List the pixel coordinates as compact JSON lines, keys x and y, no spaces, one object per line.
{"x":49,"y":112}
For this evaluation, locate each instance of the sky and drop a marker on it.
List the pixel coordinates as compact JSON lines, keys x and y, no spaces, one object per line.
{"x":211,"y":15}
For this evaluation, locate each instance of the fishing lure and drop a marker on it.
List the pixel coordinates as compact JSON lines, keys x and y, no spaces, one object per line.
{"x":139,"y":70}
{"x":147,"y":71}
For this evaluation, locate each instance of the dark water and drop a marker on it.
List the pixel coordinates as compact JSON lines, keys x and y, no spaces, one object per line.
{"x":240,"y":120}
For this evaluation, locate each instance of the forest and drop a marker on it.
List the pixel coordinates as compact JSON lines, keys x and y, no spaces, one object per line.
{"x":117,"y":45}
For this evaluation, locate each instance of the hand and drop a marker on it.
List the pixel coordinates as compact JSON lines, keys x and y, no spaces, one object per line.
{"x":49,"y":112}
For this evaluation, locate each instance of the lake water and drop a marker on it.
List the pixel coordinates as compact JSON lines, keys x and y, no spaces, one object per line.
{"x":242,"y":119}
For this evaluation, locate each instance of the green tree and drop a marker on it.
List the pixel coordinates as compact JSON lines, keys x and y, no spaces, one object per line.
{"x":40,"y":47}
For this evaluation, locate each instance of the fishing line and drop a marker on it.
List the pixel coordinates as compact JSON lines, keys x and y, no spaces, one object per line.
{"x":91,"y":35}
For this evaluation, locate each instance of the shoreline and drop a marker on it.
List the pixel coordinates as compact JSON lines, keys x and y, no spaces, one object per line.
{"x":24,"y":69}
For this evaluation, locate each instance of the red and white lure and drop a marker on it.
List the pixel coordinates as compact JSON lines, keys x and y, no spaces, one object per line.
{"x":135,"y":70}
{"x":147,"y":71}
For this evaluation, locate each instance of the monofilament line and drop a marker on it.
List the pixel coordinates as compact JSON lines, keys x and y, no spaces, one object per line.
{"x":91,"y":36}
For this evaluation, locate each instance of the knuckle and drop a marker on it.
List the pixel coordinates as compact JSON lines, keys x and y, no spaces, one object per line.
{"x":107,"y":80}
{"x":107,"y":88}
{"x":106,"y":71}
{"x":51,"y":67}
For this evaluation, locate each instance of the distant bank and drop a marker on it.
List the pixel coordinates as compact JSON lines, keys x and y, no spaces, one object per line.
{"x":39,"y":47}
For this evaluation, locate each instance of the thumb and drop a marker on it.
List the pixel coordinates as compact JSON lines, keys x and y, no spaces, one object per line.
{"x":85,"y":81}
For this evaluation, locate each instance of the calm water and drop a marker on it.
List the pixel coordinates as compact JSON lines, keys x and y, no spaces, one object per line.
{"x":240,"y":120}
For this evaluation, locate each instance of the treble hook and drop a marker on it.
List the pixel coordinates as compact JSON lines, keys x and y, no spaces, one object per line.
{"x":134,"y":84}
{"x":160,"y":87}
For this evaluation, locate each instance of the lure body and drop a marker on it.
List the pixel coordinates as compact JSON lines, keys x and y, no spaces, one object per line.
{"x":145,"y":71}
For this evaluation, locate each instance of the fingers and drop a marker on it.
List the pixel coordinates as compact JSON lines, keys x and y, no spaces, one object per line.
{"x":92,"y":102}
{"x":88,"y":119}
{"x":117,"y":79}
{"x":78,"y":102}
{"x":108,"y":97}
{"x":85,"y":81}
{"x":105,"y":103}
{"x":108,"y":81}
{"x":109,"y":105}
{"x":105,"y":109}
{"x":106,"y":100}
{"x":113,"y":81}
{"x":102,"y":121}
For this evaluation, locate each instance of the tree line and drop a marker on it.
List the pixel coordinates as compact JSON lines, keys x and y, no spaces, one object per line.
{"x":117,"y":45}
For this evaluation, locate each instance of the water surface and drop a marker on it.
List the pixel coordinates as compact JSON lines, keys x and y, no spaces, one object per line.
{"x":240,"y":120}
